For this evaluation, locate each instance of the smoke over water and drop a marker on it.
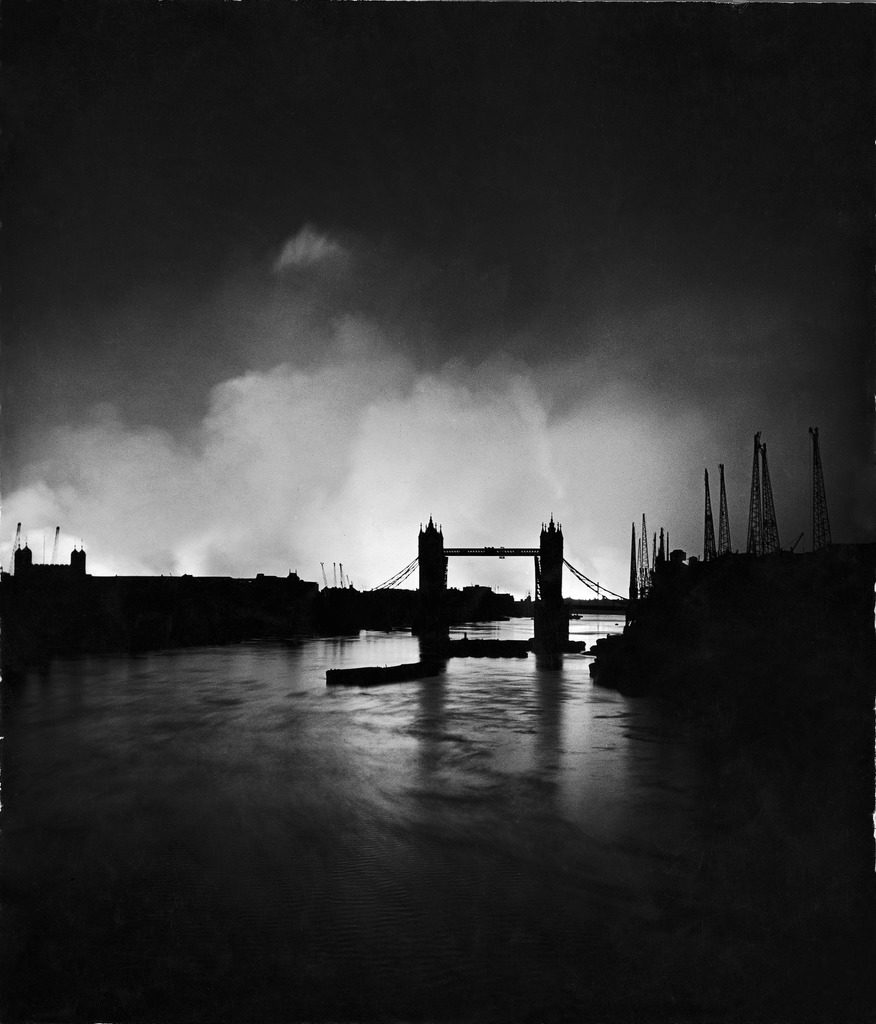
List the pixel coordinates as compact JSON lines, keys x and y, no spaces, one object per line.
{"x":339,"y":451}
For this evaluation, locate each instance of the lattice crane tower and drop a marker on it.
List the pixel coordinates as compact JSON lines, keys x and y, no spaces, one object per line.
{"x":723,"y":518}
{"x":770,"y":526}
{"x":644,"y":568}
{"x":709,"y":550}
{"x":755,"y":507}
{"x":820,"y":521}
{"x":634,"y":568}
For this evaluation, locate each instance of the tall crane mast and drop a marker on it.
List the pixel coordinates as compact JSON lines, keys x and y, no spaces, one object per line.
{"x":634,"y":577}
{"x":755,"y":506}
{"x":644,"y":569}
{"x":820,"y":521}
{"x":709,"y":550}
{"x":723,"y":518}
{"x":324,"y":580}
{"x":770,"y":526}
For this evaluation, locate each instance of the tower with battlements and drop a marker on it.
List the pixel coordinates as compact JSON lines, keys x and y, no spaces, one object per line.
{"x":551,"y":618}
{"x":431,"y":619}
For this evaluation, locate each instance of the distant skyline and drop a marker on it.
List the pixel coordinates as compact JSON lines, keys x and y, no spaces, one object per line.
{"x":282,"y":282}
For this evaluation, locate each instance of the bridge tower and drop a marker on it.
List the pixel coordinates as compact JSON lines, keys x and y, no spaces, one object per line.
{"x":551,"y":618}
{"x":431,"y":621}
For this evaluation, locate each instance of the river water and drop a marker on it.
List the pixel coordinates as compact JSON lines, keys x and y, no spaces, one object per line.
{"x":213,"y":834}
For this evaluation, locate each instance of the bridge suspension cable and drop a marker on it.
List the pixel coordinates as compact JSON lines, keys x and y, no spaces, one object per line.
{"x":596,"y":587}
{"x":399,"y":577}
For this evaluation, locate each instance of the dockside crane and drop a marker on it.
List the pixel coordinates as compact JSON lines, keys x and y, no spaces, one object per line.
{"x":763,"y":529}
{"x":770,"y":526}
{"x":755,"y":505}
{"x":634,"y":576}
{"x":709,"y":550}
{"x":723,"y":518}
{"x":644,"y":568}
{"x":820,"y":521}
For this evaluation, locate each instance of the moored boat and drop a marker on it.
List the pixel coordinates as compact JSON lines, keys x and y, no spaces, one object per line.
{"x":375,"y":675}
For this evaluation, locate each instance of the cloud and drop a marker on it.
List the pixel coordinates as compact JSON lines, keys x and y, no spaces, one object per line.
{"x":342,"y":436}
{"x":309,"y":248}
{"x":291,"y":467}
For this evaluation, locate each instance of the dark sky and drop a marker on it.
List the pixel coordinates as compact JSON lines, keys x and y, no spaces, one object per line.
{"x":654,"y":219}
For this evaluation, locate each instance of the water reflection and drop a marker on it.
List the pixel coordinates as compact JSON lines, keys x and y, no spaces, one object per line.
{"x":430,"y":725}
{"x":551,"y":698}
{"x":215,"y":834}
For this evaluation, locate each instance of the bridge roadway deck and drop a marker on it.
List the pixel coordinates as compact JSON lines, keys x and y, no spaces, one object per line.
{"x":494,"y":552}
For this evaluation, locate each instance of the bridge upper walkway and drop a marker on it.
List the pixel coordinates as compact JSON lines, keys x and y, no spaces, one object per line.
{"x":493,"y":552}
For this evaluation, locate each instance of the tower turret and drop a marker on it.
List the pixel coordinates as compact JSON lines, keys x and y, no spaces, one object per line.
{"x":551,"y":561}
{"x":77,"y":561}
{"x":23,"y":559}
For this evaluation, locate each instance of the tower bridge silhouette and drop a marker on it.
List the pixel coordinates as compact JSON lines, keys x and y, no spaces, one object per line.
{"x":550,"y":619}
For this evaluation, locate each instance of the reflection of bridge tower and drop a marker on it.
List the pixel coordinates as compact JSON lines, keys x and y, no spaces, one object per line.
{"x":551,"y":617}
{"x":431,"y":622}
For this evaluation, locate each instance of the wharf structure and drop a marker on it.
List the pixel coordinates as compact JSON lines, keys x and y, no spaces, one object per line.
{"x":52,"y":610}
{"x":693,"y":623}
{"x":769,"y":658}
